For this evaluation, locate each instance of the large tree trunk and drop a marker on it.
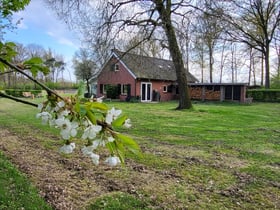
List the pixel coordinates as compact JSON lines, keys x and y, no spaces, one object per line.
{"x":184,"y":95}
{"x":267,"y":72}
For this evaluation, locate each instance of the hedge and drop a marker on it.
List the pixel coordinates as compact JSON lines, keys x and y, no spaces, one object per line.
{"x":265,"y":95}
{"x":18,"y":92}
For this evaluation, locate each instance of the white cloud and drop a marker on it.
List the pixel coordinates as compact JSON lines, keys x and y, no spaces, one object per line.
{"x":38,"y":15}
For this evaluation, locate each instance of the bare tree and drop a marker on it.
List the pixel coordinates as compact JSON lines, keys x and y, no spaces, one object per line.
{"x":199,"y":54}
{"x":55,"y":63}
{"x":84,"y":67}
{"x":224,"y":51}
{"x":210,"y":29}
{"x":151,"y":48}
{"x":253,"y":22}
{"x":118,"y":20}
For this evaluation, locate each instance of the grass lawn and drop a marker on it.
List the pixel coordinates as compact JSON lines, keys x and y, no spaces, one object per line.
{"x":217,"y":156}
{"x":16,"y":191}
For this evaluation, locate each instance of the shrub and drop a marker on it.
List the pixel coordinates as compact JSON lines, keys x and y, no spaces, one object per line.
{"x":265,"y":95}
{"x":112,"y":91}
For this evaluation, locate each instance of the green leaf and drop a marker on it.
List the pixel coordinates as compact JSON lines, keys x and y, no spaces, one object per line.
{"x":2,"y":67}
{"x":119,"y":121}
{"x":91,"y":116}
{"x":80,"y":109}
{"x":116,"y":148}
{"x":129,"y":143}
{"x":7,"y":51}
{"x":33,"y":61}
{"x":97,"y":105}
{"x":35,"y":65}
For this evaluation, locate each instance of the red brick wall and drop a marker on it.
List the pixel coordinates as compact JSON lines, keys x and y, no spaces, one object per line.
{"x":159,"y":87}
{"x":123,"y":76}
{"x":109,"y":76}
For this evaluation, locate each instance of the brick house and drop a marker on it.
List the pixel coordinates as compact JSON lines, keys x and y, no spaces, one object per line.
{"x":127,"y":75}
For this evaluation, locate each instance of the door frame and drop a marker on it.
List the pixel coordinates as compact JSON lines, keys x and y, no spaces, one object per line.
{"x":146,"y":91}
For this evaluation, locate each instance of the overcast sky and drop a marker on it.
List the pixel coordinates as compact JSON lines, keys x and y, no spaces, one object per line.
{"x":41,"y":26}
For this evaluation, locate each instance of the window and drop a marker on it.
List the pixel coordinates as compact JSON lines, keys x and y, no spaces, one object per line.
{"x":125,"y":89}
{"x":164,"y":88}
{"x":117,"y":67}
{"x":170,"y":88}
{"x":101,"y":88}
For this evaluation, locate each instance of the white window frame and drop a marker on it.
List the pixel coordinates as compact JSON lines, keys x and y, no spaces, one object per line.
{"x":164,"y":89}
{"x":116,"y":67}
{"x":147,"y":94}
{"x":123,"y":89}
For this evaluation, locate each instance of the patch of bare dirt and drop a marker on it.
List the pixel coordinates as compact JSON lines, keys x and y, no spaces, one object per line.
{"x":72,"y":183}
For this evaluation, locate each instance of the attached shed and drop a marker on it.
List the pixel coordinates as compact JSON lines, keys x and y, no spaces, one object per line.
{"x":218,"y":91}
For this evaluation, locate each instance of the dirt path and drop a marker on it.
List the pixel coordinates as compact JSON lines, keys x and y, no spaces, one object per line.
{"x":71,"y":183}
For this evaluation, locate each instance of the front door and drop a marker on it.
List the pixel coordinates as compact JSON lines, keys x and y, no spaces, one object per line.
{"x":146,"y":91}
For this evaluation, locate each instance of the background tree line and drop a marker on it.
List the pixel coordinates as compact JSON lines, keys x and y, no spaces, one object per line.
{"x":55,"y":62}
{"x":220,"y":41}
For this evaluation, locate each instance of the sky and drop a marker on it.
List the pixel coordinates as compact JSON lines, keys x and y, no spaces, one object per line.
{"x":40,"y":25}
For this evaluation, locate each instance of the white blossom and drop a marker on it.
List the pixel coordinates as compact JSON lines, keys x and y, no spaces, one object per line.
{"x":46,"y":116}
{"x":40,"y":106}
{"x":110,"y":139}
{"x":87,"y":150}
{"x":64,"y":113}
{"x":112,"y":115}
{"x":112,"y":161}
{"x":67,"y":148}
{"x":68,"y":129}
{"x":109,"y":118}
{"x":95,"y":158}
{"x":91,"y":131}
{"x":127,"y":123}
{"x":99,"y":142}
{"x":59,"y":105}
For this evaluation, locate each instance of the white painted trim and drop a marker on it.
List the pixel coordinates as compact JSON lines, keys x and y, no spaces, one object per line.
{"x":151,"y":96}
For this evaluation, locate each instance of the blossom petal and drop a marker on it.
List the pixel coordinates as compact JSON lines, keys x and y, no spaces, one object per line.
{"x":66,"y":149}
{"x":112,"y":161}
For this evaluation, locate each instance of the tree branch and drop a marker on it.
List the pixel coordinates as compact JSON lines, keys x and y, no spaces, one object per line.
{"x":16,"y":68}
{"x":17,"y":99}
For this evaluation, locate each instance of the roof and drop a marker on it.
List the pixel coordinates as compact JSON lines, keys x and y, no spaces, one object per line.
{"x":144,"y":67}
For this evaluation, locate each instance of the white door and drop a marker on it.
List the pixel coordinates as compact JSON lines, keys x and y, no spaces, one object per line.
{"x":146,"y":91}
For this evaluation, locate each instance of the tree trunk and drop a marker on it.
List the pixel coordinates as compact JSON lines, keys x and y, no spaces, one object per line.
{"x":211,"y":61}
{"x":165,"y":15}
{"x":250,"y":66}
{"x":88,"y":86}
{"x":262,"y":70}
{"x":267,"y":72}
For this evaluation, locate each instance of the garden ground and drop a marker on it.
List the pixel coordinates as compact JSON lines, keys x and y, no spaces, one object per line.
{"x":218,"y":156}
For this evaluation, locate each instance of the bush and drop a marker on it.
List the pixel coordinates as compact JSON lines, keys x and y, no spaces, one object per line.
{"x":112,"y":91}
{"x":265,"y":95}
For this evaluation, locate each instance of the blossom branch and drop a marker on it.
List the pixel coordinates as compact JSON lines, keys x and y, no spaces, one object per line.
{"x":18,"y":69}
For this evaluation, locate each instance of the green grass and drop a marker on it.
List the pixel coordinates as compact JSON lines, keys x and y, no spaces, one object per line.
{"x":120,"y":201}
{"x":226,"y":155}
{"x":16,"y":191}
